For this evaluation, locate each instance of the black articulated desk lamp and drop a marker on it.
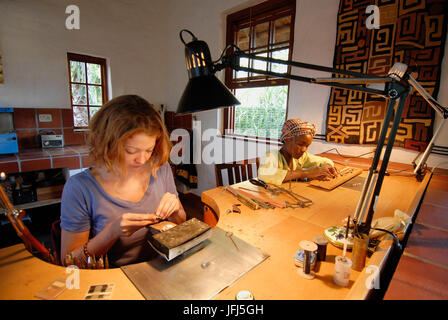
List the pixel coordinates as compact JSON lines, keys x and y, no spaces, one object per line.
{"x":205,"y":92}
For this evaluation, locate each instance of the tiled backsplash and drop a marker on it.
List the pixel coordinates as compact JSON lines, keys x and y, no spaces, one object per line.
{"x":74,"y":155}
{"x":31,"y":156}
{"x":71,"y":157}
{"x":27,"y":125}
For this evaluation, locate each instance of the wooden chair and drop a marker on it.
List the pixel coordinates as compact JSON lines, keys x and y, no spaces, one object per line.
{"x":236,"y":171}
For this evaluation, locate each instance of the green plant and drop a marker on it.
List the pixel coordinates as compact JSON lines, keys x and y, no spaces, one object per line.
{"x":262,"y":111}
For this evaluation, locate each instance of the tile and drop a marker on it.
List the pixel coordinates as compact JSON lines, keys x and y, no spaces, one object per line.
{"x":55,"y":115}
{"x":9,"y":167}
{"x":24,"y":118}
{"x":439,"y":183}
{"x":32,"y":165}
{"x":66,"y":162}
{"x":433,"y":215}
{"x":440,"y":171}
{"x":66,"y":151}
{"x":86,"y":162}
{"x":67,"y":118}
{"x":86,"y":136}
{"x":435,"y":195}
{"x":441,"y":178}
{"x":35,"y":153}
{"x":82,"y":149}
{"x":7,"y":157}
{"x":437,"y":192}
{"x":73,"y":138}
{"x":27,"y":139}
{"x":417,"y":280}
{"x":428,"y":243}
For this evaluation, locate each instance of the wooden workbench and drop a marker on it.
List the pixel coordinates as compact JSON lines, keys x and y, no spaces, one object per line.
{"x":279,"y":231}
{"x":276,"y":232}
{"x":22,"y":275}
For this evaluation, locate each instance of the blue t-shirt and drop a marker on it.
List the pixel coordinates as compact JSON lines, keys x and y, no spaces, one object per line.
{"x":87,"y":206}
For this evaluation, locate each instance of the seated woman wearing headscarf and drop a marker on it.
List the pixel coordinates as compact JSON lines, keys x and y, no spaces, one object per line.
{"x":292,"y":161}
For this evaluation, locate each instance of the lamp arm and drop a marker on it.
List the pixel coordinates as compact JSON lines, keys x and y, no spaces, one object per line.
{"x":308,"y":66}
{"x":233,"y":61}
{"x":443,"y":111}
{"x":422,"y":161}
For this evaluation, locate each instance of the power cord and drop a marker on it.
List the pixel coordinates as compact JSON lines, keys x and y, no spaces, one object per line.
{"x":348,"y":157}
{"x":388,"y":173}
{"x":396,"y":240}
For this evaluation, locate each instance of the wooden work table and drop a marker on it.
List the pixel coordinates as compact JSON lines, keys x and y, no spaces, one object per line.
{"x":22,"y":275}
{"x":276,"y":232}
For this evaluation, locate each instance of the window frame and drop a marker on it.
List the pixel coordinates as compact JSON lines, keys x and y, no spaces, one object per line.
{"x":104,"y":82}
{"x":264,"y":12}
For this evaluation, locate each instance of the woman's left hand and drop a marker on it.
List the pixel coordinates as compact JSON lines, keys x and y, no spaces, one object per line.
{"x":168,"y":205}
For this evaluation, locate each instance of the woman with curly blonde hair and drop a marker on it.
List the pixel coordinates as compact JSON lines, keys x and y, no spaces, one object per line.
{"x":105,"y":209}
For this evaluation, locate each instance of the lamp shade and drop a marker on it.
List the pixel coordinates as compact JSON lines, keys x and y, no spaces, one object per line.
{"x":204,"y":91}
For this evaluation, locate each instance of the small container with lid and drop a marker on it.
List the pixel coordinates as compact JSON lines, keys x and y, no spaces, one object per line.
{"x":322,"y":243}
{"x":244,"y":295}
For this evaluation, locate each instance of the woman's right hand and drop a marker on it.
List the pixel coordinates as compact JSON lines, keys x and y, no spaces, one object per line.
{"x":128,"y":223}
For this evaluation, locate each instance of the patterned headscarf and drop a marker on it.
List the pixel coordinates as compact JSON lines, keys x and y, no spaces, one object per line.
{"x":297,"y":127}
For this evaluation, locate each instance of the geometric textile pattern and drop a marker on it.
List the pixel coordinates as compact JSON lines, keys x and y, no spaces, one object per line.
{"x":410,"y":31}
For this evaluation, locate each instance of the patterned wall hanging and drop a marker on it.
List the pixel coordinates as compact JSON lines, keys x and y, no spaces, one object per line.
{"x":410,"y":31}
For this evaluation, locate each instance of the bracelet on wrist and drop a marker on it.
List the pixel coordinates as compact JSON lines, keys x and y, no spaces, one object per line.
{"x":85,"y":251}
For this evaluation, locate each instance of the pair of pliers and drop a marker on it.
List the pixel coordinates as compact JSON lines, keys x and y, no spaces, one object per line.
{"x":261,"y":183}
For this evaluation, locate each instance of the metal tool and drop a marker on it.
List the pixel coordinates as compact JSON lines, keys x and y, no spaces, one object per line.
{"x":230,"y":234}
{"x":293,"y":205}
{"x":262,"y":201}
{"x":235,"y":208}
{"x":244,"y":200}
{"x":262,"y":204}
{"x":301,"y":200}
{"x":261,"y":183}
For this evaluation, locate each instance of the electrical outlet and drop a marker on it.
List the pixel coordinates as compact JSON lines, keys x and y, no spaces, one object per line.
{"x":45,"y":118}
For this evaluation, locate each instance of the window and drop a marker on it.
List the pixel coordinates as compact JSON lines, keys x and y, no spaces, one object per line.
{"x":265,"y":30}
{"x":88,"y":87}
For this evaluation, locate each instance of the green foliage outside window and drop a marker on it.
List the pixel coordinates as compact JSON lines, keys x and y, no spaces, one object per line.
{"x":262,"y":111}
{"x":86,"y":82}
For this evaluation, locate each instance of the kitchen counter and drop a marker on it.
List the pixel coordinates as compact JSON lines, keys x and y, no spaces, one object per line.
{"x":73,"y":157}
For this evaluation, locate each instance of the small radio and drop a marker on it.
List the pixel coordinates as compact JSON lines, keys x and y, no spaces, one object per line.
{"x":52,"y":140}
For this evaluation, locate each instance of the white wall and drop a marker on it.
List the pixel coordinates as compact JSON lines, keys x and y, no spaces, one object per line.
{"x":315,"y":38}
{"x":34,"y":43}
{"x":141,"y":41}
{"x":314,"y":43}
{"x":206,"y":20}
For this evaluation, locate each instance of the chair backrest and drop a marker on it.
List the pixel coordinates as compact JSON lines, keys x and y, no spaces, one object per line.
{"x":236,"y":171}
